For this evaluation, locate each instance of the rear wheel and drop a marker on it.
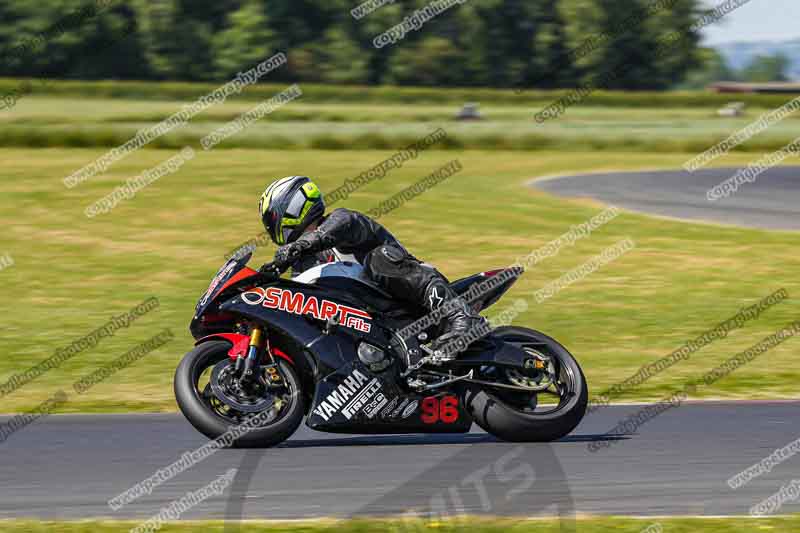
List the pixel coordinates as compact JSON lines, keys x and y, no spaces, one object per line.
{"x":209,"y":398}
{"x":553,"y":403}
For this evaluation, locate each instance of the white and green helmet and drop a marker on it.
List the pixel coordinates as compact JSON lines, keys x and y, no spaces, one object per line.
{"x":288,"y":206}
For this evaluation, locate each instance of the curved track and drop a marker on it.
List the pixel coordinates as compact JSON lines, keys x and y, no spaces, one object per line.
{"x":69,"y":466}
{"x":772,"y":201}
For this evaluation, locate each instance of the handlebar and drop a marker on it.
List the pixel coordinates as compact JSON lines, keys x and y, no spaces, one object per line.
{"x":269,"y":272}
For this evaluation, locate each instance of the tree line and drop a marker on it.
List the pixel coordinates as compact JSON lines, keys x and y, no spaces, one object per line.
{"x":487,"y":43}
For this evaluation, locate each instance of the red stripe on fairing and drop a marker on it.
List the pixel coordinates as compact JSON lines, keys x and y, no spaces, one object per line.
{"x":240,"y":343}
{"x":244,"y":273}
{"x":490,"y":273}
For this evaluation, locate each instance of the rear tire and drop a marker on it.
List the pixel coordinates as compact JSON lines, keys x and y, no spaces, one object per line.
{"x":510,"y":424}
{"x":212,"y":425}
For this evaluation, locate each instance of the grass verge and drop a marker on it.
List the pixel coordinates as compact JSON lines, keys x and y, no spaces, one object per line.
{"x":473,"y":525}
{"x":86,"y":122}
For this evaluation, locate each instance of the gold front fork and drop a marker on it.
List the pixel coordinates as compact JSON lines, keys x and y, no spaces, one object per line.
{"x":251,"y":362}
{"x":256,"y":342}
{"x":255,"y":337}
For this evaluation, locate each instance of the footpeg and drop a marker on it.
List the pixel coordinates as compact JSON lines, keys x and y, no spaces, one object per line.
{"x":448,"y":381}
{"x":436,"y":358}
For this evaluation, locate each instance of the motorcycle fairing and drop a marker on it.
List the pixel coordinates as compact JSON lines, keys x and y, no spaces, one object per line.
{"x":285,"y":300}
{"x":352,"y":399}
{"x":225,"y":276}
{"x":499,"y":282}
{"x":330,"y":350}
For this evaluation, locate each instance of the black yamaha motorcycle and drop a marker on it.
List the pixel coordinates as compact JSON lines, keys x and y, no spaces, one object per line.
{"x":325,"y":346}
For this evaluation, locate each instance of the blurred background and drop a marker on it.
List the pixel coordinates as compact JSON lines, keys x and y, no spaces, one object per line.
{"x":480,"y":43}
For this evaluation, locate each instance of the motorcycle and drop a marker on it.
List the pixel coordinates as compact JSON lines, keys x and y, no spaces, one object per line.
{"x":325,"y":346}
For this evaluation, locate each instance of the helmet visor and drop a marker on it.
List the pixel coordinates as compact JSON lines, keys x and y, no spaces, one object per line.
{"x":296,"y":205}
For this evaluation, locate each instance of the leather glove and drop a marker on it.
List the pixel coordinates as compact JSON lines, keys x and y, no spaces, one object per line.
{"x":269,"y":269}
{"x":286,"y":256}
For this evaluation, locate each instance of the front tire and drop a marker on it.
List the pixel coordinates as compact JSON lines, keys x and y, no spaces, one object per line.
{"x":505,"y":421}
{"x":195,"y":406}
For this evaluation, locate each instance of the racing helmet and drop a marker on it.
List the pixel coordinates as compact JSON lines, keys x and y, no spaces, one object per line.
{"x":288,"y":206}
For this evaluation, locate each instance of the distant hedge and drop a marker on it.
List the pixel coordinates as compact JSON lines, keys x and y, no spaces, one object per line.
{"x":315,"y":93}
{"x":76,"y":137}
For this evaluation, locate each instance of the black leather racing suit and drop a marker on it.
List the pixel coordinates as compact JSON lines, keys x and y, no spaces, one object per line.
{"x":390,"y":266}
{"x":384,"y":259}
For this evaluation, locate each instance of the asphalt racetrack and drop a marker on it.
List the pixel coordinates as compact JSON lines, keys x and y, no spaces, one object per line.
{"x":69,"y":466}
{"x":772,"y":201}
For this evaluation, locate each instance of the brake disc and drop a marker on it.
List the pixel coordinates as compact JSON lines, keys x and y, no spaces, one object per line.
{"x":226,"y":388}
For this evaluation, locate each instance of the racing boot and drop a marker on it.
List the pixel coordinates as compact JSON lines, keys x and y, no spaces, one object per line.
{"x":462,"y":326}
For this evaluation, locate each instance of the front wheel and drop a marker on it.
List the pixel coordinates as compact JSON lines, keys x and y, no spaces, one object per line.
{"x":553,"y":404}
{"x":206,"y":398}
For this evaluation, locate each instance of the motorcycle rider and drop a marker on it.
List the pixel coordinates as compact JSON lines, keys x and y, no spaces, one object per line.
{"x":293,"y":213}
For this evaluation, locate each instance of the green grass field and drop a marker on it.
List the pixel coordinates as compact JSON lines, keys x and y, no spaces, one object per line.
{"x":71,"y":273}
{"x":473,"y":525}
